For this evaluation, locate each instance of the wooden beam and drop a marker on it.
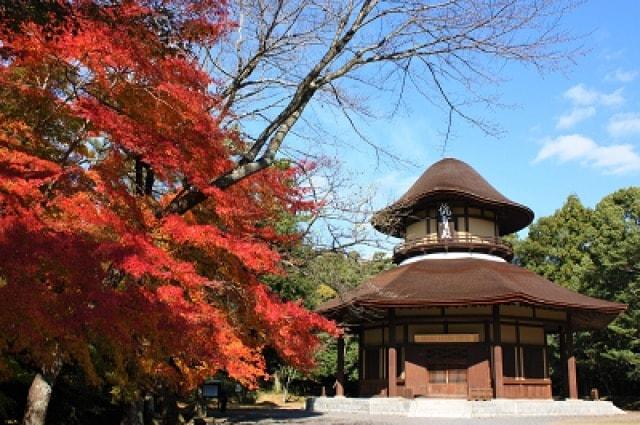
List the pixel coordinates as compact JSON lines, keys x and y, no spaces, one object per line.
{"x":340,"y":368}
{"x":498,"y":378}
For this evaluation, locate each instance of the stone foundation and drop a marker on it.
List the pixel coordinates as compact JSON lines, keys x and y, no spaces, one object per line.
{"x":454,"y":408}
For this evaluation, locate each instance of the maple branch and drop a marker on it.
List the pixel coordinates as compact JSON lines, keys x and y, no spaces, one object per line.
{"x":139,"y":185}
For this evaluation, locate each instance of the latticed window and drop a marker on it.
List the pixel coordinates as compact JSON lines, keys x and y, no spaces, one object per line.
{"x":524,"y":361}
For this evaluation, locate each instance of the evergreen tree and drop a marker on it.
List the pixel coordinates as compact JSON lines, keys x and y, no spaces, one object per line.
{"x":596,"y":252}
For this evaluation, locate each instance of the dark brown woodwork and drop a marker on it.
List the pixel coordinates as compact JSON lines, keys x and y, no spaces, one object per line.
{"x":392,"y":373}
{"x":466,"y":219}
{"x":441,"y":357}
{"x":457,"y":242}
{"x":457,"y":183}
{"x":527,"y":388}
{"x":361,"y":355}
{"x":392,"y":384}
{"x":479,"y":372}
{"x":498,"y":379}
{"x":373,"y":387}
{"x":562,"y":340}
{"x":340,"y":368}
{"x":416,"y":370}
{"x":572,"y":380}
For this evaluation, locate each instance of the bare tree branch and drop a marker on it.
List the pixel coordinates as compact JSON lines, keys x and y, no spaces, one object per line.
{"x":289,"y":54}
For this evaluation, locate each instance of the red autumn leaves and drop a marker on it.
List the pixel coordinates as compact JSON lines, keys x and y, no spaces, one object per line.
{"x":88,"y":274}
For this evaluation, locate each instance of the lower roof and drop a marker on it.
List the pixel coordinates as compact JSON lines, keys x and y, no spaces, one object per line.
{"x":469,"y":281}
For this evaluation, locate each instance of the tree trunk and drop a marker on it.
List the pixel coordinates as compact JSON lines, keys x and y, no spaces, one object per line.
{"x":277,"y":383}
{"x":134,"y":413}
{"x":37,"y":401}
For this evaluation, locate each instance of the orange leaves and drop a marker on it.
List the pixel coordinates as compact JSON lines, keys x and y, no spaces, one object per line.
{"x":292,"y":328}
{"x":89,"y":114}
{"x":254,"y":254}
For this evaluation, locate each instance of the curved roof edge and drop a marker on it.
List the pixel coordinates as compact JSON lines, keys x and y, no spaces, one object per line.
{"x":474,"y":282}
{"x":451,"y":178}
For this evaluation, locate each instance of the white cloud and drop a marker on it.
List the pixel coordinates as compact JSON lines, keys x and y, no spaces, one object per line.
{"x":624,"y":124}
{"x":622,"y":76}
{"x":566,"y":148}
{"x":574,"y":117}
{"x":612,"y":159}
{"x":583,"y":96}
{"x":612,"y":99}
{"x":394,"y":184}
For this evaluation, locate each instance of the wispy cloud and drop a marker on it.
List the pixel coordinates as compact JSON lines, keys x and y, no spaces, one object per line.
{"x":613,"y":55}
{"x":624,"y":124}
{"x":583,"y":96}
{"x":574,"y":117}
{"x":622,"y":76}
{"x":612,"y":159}
{"x":394,"y":184}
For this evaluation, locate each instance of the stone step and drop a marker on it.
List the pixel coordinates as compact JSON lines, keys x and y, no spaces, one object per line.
{"x":456,"y":408}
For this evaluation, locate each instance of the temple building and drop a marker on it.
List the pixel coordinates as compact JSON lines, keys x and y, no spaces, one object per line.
{"x":456,"y":318}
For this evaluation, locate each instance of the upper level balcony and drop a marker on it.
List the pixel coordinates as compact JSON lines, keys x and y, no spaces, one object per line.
{"x":458,"y":242}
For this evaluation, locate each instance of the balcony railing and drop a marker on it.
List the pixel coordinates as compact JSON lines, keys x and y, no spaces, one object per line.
{"x":459,"y":242}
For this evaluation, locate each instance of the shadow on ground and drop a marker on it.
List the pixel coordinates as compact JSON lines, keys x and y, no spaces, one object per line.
{"x":237,"y":416}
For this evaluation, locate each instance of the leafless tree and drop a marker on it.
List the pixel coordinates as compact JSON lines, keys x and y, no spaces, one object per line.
{"x":344,"y":209}
{"x":287,"y":55}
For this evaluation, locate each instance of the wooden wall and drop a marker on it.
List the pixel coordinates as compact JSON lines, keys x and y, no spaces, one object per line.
{"x":527,"y":388}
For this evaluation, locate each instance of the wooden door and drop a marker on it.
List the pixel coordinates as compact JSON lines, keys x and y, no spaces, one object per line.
{"x":448,"y":372}
{"x":448,"y":381}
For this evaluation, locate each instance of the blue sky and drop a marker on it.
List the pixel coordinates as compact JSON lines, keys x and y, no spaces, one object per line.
{"x":574,"y":131}
{"x":571,"y":132}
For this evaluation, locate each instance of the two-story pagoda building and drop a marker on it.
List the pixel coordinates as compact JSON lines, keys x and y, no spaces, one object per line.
{"x":455,"y":318}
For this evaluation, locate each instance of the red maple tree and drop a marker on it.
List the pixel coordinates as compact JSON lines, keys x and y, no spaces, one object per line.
{"x":106,"y":116}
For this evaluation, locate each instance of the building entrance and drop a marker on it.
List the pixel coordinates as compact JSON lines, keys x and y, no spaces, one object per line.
{"x":447,"y":371}
{"x":448,"y":381}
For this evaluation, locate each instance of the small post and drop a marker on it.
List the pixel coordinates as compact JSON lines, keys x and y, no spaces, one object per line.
{"x":340,"y":368}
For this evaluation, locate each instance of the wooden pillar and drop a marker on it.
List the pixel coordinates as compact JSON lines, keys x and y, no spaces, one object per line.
{"x":340,"y":368}
{"x":572,"y":379}
{"x":498,"y":378}
{"x":562,"y":342}
{"x":360,"y":358}
{"x":392,"y":357}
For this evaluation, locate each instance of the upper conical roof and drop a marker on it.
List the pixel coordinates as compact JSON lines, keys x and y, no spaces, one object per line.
{"x":452,"y":179}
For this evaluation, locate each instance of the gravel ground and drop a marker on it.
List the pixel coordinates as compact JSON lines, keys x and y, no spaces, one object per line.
{"x":292,"y":416}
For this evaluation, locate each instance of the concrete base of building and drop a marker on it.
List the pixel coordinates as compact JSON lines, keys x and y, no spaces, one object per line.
{"x":455,"y":408}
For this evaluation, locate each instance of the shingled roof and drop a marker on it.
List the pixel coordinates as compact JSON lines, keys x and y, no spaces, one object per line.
{"x":450,"y":179}
{"x":455,"y":282}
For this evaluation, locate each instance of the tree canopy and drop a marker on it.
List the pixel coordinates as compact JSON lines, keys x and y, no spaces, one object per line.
{"x":596,"y":251}
{"x":107,"y":116}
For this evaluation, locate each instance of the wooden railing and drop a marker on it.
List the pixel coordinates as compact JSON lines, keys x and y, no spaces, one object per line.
{"x":458,"y":242}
